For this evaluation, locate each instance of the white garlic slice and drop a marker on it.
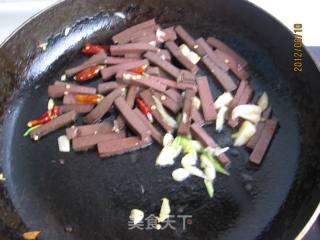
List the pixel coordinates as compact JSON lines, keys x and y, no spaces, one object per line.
{"x":136,"y":216}
{"x":185,"y":50}
{"x":263,"y":101}
{"x":50,"y":104}
{"x":64,"y":144}
{"x":223,"y":100}
{"x":195,"y":171}
{"x":167,"y":139}
{"x":249,"y":112}
{"x":193,"y":57}
{"x":167,"y":155}
{"x":180,"y":174}
{"x":220,"y":118}
{"x":190,"y":159}
{"x":165,"y":210}
{"x":196,"y":103}
{"x":246,"y":131}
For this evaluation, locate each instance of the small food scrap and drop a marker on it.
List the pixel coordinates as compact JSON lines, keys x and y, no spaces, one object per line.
{"x":136,"y":216}
{"x":66,"y":31}
{"x":32,"y":235}
{"x":64,"y":144}
{"x":2,"y":177}
{"x":120,"y":15}
{"x":43,"y":46}
{"x":63,"y":77}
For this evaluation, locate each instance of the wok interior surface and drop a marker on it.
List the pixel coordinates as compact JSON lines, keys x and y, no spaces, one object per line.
{"x":52,"y":190}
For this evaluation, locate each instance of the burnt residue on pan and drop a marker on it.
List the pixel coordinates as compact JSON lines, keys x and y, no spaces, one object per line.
{"x":95,"y":196}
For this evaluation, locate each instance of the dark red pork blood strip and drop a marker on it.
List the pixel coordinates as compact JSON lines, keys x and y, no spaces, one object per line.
{"x":168,"y":35}
{"x":163,"y":64}
{"x":164,"y":54}
{"x":131,"y":119}
{"x":69,"y":99}
{"x":120,"y":146}
{"x":87,"y":142}
{"x":59,"y":89}
{"x":120,"y":60}
{"x":212,"y":55}
{"x":184,"y":125}
{"x":264,"y":141}
{"x":108,"y":72}
{"x":155,"y":133}
{"x":153,"y":71}
{"x":53,"y":125}
{"x":79,"y":108}
{"x":125,"y":35}
{"x":85,"y":130}
{"x":200,"y":134}
{"x":103,"y":107}
{"x":175,"y":51}
{"x":131,"y":95}
{"x":143,"y":33}
{"x":242,"y":74}
{"x":140,"y":80}
{"x":136,"y":56}
{"x":244,"y":99}
{"x":107,"y":87}
{"x":146,"y":95}
{"x":238,"y":94}
{"x":241,"y":62}
{"x":188,"y":39}
{"x":223,"y":78}
{"x":197,"y":117}
{"x":99,"y":58}
{"x":175,"y":95}
{"x":131,"y":48}
{"x":207,"y":102}
{"x":254,"y":139}
{"x":168,"y":102}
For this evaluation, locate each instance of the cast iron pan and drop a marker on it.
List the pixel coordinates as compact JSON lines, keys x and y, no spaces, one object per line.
{"x":94,"y":196}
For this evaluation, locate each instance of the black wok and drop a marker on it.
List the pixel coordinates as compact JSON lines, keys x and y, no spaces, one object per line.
{"x":93,"y":197}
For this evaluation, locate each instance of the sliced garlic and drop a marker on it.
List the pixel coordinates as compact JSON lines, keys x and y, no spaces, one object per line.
{"x":64,"y":144}
{"x":63,"y":78}
{"x":196,"y":103}
{"x":223,"y":100}
{"x":190,"y":159}
{"x":195,"y":171}
{"x":136,"y":216}
{"x":220,"y":118}
{"x":180,"y":174}
{"x":50,"y":104}
{"x":167,"y":139}
{"x":185,"y":50}
{"x":263,"y":101}
{"x":208,"y":167}
{"x":167,"y":155}
{"x":193,"y":57}
{"x":160,"y":35}
{"x":249,"y":112}
{"x":164,"y":211}
{"x":196,"y":145}
{"x":246,"y":131}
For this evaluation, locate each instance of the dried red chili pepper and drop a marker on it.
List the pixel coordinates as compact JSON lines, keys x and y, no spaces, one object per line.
{"x":45,"y":117}
{"x":87,"y":73}
{"x":144,"y":108}
{"x":139,"y":70}
{"x":88,"y":98}
{"x":91,"y":49}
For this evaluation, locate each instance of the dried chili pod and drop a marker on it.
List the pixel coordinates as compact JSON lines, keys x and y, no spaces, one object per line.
{"x":144,"y":108}
{"x":88,"y":98}
{"x":91,"y":49}
{"x":87,"y":73}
